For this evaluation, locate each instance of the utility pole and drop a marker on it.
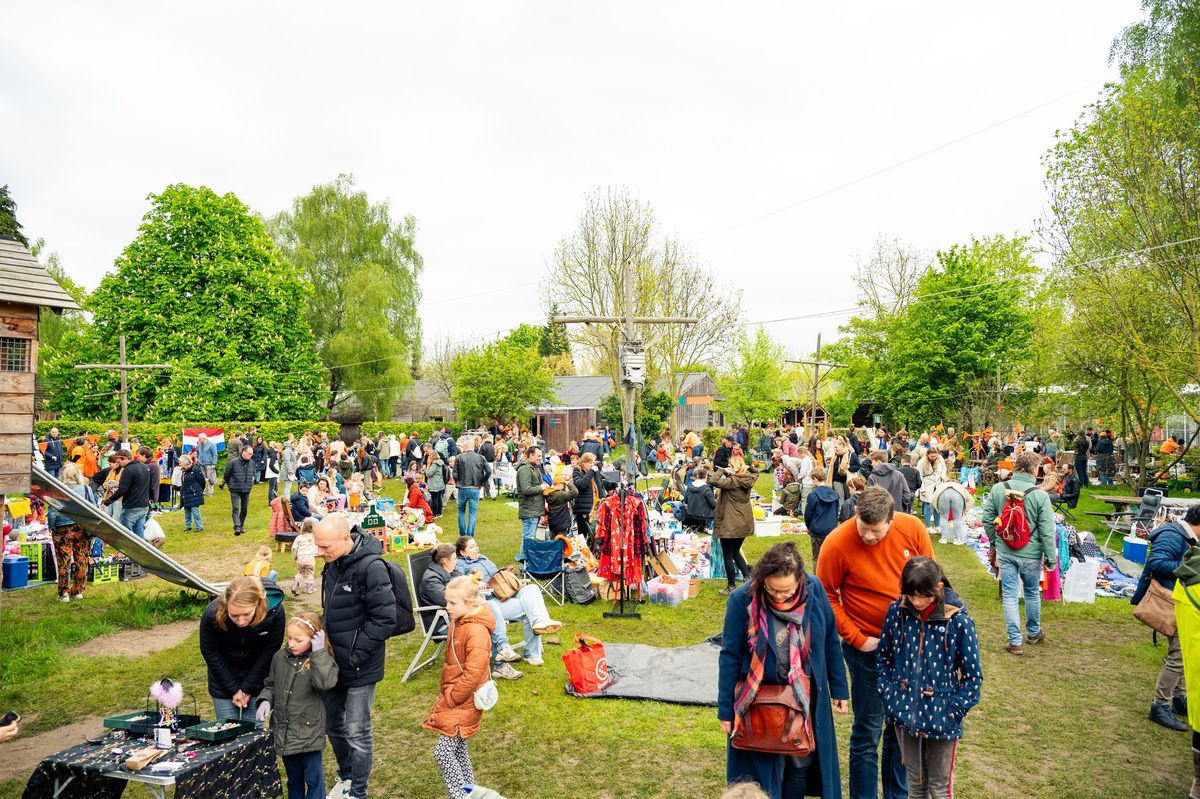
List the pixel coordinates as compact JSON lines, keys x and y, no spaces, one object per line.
{"x":124,"y":368}
{"x":810,"y":425}
{"x":631,"y":357}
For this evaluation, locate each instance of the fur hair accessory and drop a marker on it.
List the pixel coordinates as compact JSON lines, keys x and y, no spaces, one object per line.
{"x":167,"y":692}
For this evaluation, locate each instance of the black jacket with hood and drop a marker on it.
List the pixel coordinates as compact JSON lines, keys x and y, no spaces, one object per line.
{"x":239,"y":658}
{"x":360,"y":611}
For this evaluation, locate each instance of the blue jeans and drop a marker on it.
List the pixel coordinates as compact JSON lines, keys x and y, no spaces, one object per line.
{"x":527,"y":607}
{"x":135,"y":520}
{"x":1029,"y":572}
{"x":191,"y":519}
{"x":528,"y":531}
{"x":932,"y":518}
{"x":348,"y":725}
{"x":1081,"y":472}
{"x":869,"y":725}
{"x":304,"y":776}
{"x":468,"y":502}
{"x":226,"y":709}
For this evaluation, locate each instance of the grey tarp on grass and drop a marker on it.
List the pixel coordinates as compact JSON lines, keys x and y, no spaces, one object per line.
{"x":113,"y":533}
{"x":684,"y":675}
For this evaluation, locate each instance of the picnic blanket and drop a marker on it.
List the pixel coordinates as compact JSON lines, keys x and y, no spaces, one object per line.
{"x":683,"y":675}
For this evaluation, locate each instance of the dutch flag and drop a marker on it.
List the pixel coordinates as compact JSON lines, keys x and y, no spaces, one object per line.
{"x":191,"y":435}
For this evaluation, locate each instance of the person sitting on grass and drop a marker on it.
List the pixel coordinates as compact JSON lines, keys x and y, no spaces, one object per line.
{"x":432,"y":593}
{"x":261,"y":565}
{"x":528,"y":606}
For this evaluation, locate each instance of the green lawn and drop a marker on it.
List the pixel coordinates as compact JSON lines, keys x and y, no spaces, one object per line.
{"x":1066,"y":720}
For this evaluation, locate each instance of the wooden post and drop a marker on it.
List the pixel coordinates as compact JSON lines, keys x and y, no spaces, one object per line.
{"x":123,"y":368}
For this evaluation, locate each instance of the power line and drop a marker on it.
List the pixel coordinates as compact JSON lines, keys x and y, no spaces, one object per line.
{"x":898,"y":164}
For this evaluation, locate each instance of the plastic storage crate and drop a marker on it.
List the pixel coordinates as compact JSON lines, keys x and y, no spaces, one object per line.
{"x":100,"y":573}
{"x":668,"y":593}
{"x":34,"y":553}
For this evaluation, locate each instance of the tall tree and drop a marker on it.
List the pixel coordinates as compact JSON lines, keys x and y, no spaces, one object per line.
{"x":364,"y":268}
{"x":9,"y":226}
{"x":757,"y":383}
{"x":203,"y":288}
{"x":500,"y":382}
{"x":57,"y":332}
{"x":1124,"y":196}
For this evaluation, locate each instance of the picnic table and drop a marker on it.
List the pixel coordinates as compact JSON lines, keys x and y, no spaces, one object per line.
{"x":1121,"y":504}
{"x":239,"y":768}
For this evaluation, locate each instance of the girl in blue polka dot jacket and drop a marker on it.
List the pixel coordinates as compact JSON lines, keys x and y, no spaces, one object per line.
{"x":929,"y":675}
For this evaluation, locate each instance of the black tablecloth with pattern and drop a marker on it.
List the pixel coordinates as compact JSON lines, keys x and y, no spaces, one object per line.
{"x":240,"y":768}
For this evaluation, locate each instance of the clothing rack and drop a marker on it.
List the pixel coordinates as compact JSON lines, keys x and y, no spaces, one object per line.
{"x":618,"y":611}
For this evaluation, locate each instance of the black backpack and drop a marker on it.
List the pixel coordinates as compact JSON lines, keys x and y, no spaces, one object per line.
{"x":405,"y":622}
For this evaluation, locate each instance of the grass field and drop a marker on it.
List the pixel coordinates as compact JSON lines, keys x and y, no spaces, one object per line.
{"x":1066,"y":720}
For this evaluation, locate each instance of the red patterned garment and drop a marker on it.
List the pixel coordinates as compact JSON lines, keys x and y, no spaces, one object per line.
{"x":613,"y":537}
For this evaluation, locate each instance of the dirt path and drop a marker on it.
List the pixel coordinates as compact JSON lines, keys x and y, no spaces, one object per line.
{"x":135,"y":643}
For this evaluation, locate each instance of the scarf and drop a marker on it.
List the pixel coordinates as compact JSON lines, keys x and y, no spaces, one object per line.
{"x":758,"y":636}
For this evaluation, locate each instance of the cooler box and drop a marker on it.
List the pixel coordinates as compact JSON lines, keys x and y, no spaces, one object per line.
{"x":1134,"y":549}
{"x":16,"y":572}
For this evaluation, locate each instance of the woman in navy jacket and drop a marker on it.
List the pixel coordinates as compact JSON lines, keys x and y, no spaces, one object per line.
{"x":782,"y":594}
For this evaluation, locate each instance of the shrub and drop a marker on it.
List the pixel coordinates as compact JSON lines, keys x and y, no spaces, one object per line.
{"x":423,"y":429}
{"x":712,"y":439}
{"x":153,"y":431}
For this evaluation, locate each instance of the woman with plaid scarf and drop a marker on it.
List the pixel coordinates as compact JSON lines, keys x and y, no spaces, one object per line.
{"x":780,"y":630}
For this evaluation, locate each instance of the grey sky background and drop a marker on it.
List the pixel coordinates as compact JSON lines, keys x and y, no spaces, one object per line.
{"x":491,"y":122}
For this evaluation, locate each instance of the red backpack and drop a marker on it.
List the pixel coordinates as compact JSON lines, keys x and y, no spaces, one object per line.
{"x":1012,"y":525}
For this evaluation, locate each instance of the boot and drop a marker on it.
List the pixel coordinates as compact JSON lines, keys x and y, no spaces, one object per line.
{"x":1179,"y":705}
{"x":1161,"y":714}
{"x":1194,"y":793}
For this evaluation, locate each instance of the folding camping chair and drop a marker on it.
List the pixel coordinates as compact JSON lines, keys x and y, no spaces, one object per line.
{"x":1141,"y":519}
{"x":433,"y":628}
{"x":1064,"y":504}
{"x":542,"y":564}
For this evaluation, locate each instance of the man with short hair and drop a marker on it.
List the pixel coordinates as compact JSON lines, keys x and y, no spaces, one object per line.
{"x":146,"y":456}
{"x":530,"y":503}
{"x":1023,"y":566}
{"x":487,"y":451}
{"x":360,"y":614}
{"x":860,"y":566}
{"x":206,"y":458}
{"x":724,"y":452}
{"x":470,"y":476}
{"x":239,"y":477}
{"x":133,"y":492}
{"x":890,"y":479}
{"x":52,"y":458}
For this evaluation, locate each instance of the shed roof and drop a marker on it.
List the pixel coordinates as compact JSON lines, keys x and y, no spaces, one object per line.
{"x":579,"y":391}
{"x":26,"y":282}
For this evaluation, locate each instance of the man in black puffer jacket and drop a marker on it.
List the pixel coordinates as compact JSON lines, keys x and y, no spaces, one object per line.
{"x":360,"y":614}
{"x":239,"y":476}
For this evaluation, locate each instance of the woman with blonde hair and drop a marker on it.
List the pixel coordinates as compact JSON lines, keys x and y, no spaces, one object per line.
{"x":72,"y":544}
{"x":733,"y":521}
{"x":240,"y":632}
{"x":843,"y":464}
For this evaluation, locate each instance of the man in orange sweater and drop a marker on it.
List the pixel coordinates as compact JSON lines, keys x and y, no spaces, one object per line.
{"x":860,"y":567}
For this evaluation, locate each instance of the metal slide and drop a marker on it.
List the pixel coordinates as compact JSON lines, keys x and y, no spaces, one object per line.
{"x":113,"y":533}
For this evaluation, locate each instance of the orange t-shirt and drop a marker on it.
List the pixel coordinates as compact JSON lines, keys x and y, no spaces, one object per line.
{"x":1169,"y":447}
{"x":863,"y":580}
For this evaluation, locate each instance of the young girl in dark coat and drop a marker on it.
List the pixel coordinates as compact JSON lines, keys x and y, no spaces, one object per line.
{"x":929,"y":675}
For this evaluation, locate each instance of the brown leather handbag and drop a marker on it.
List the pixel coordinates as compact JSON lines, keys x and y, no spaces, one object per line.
{"x":774,"y":723}
{"x":1157,"y":609}
{"x":504,"y":584}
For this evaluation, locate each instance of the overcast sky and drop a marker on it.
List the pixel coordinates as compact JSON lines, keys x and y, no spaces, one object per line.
{"x":491,"y":122}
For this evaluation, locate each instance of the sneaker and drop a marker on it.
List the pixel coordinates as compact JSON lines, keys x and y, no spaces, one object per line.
{"x":547,"y":627}
{"x":64,"y":598}
{"x":340,"y":791}
{"x":726,"y":591}
{"x":535,"y":661}
{"x":944,"y":540}
{"x":1014,"y":649}
{"x":505,"y":671}
{"x":958,"y":543}
{"x":1161,"y":714}
{"x":1036,"y":639}
{"x":507,"y":654}
{"x":80,"y":596}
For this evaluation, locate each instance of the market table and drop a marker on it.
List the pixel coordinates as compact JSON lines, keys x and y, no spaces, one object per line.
{"x":239,"y":768}
{"x":1123,"y":503}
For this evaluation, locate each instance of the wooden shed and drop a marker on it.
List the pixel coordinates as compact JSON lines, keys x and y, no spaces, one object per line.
{"x":26,"y":289}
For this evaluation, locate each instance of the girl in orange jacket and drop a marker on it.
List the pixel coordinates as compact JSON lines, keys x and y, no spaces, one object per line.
{"x":468,"y":654}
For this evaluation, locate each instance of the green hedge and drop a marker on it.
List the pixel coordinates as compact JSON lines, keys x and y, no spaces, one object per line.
{"x":153,"y":431}
{"x":423,"y":429}
{"x":712,"y":439}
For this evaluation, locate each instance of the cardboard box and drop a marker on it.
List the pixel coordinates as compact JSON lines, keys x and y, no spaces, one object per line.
{"x":662,"y":564}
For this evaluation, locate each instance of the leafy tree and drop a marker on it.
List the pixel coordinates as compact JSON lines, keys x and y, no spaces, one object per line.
{"x":500,"y":382}
{"x":203,"y":288}
{"x":757,"y":381}
{"x":525,"y":336}
{"x":652,"y":410}
{"x":57,"y":331}
{"x":363,"y":267}
{"x":9,"y":226}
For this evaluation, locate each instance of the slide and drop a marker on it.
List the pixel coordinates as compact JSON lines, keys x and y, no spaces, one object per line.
{"x":116,"y":535}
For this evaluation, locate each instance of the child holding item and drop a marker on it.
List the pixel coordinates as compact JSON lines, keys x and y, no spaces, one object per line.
{"x":929,"y":675}
{"x":261,"y":565}
{"x":468,"y":654}
{"x":304,"y":550}
{"x":354,"y":491}
{"x":291,"y":696}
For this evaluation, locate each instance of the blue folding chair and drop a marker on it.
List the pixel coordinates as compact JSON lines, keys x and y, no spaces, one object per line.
{"x":543,"y":565}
